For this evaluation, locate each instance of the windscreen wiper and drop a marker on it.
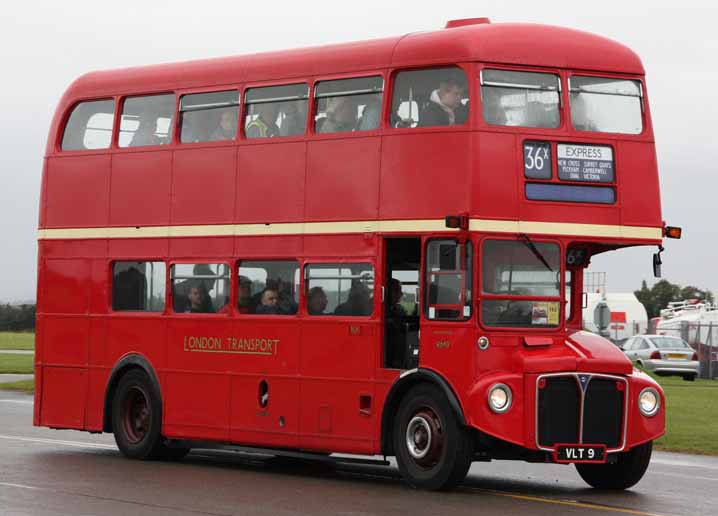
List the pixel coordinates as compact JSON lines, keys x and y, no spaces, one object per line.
{"x":527,"y":241}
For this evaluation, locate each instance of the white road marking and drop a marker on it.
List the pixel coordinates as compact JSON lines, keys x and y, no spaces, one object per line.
{"x":40,"y":440}
{"x":21,"y":486}
{"x":679,"y":475}
{"x":682,"y":463}
{"x":19,"y":402}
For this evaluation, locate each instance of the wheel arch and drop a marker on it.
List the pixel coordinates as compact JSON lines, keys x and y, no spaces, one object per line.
{"x":126,"y":364}
{"x":401,"y":386}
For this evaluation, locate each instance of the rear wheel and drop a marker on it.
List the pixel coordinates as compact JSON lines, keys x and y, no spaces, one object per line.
{"x":689,"y":377}
{"x":624,"y":473}
{"x":137,"y":419}
{"x":432,"y":449}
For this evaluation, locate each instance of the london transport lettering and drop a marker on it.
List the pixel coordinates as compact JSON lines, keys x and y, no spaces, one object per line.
{"x":585,"y":163}
{"x":238,"y":345}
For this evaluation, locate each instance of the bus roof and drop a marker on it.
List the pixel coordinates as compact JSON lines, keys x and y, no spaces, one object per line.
{"x":502,"y":43}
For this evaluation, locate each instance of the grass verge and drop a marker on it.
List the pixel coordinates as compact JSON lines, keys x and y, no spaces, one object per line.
{"x":16,"y":364}
{"x":691,"y":416}
{"x":27,"y":386}
{"x":16,"y":340}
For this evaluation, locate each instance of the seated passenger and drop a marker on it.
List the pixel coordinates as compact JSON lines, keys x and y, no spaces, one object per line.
{"x":295,"y":118}
{"x":265,"y":125}
{"x":181,"y":290}
{"x":268,"y":303}
{"x":227,"y":127}
{"x":341,"y":116}
{"x":370,"y":116}
{"x":316,"y":301}
{"x":359,"y":301}
{"x":145,"y":134}
{"x":244,"y":295}
{"x":443,"y":106}
{"x":395,"y":309}
{"x":196,"y":301}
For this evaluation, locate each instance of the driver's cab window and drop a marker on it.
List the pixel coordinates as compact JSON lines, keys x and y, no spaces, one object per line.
{"x":448,"y":280}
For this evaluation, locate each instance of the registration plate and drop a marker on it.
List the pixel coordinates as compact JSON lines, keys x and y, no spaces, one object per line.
{"x":676,"y":356}
{"x":595,"y":453}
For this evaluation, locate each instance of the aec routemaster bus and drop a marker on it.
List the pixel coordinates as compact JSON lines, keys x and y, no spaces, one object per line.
{"x":368,"y":248}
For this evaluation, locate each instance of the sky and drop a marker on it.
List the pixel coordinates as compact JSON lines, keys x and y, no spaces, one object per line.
{"x":45,"y":45}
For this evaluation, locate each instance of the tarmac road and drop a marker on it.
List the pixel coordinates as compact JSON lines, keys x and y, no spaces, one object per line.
{"x":45,"y":472}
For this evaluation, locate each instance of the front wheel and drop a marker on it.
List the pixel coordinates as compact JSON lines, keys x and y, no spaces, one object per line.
{"x":432,"y":449}
{"x":624,"y":473}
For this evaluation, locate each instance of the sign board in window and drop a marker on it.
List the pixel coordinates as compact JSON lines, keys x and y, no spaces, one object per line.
{"x":585,"y":163}
{"x":537,"y":160}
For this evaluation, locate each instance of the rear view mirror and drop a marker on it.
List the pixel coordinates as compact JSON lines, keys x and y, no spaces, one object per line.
{"x":657,"y":265}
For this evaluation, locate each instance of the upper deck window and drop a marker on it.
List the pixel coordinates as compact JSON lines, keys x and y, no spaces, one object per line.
{"x":147,"y":120}
{"x":206,"y":117}
{"x":427,"y":98}
{"x":524,"y":99}
{"x":89,"y":126}
{"x":348,"y":105}
{"x":276,"y":111}
{"x":606,"y":105}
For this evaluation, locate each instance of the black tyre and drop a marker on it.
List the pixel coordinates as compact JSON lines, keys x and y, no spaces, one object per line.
{"x":433,"y":450}
{"x":690,"y":378}
{"x":137,"y":419}
{"x":626,"y":472}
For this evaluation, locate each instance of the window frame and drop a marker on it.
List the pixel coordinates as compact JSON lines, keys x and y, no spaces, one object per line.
{"x":361,"y":260}
{"x":467,"y":67}
{"x":562,"y":101}
{"x":176,"y":140}
{"x":645,"y":118}
{"x":136,"y":313}
{"x":245,"y":106}
{"x":234,"y":287}
{"x":62,"y":127}
{"x":470,"y":284}
{"x":312,"y":111}
{"x":169,"y":304}
{"x":560,"y":299}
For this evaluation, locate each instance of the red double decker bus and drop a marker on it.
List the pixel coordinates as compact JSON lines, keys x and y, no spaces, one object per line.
{"x":370,"y":248}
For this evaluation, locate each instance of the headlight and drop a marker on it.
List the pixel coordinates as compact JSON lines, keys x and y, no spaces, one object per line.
{"x":500,"y":398}
{"x":649,"y":401}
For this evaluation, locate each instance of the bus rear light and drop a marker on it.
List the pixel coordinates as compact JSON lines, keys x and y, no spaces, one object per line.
{"x":655,"y":355}
{"x":673,"y":232}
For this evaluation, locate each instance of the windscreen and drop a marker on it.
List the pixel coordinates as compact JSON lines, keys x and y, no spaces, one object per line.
{"x":669,"y":343}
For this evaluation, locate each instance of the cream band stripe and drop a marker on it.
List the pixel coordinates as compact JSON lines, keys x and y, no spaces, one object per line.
{"x":354,"y":227}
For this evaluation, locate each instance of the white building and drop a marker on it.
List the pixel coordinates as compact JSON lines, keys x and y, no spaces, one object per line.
{"x":628,"y":315}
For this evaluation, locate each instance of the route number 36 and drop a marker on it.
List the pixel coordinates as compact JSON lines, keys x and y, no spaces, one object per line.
{"x":537,"y":160}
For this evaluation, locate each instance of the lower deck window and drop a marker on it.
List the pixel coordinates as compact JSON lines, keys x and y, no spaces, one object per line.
{"x":200,"y":288}
{"x":138,"y":286}
{"x":340,"y":289}
{"x":268,"y":287}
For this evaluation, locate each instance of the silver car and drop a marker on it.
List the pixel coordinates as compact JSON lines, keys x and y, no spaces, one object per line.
{"x":664,"y":355}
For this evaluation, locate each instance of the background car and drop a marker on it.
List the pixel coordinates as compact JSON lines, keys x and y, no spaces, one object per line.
{"x":664,"y":355}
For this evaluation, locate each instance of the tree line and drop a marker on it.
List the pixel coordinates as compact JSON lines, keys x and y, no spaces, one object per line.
{"x":656,"y":298}
{"x":17,"y":317}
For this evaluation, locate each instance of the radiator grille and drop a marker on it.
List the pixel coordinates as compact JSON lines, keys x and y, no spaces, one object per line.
{"x":566,"y":414}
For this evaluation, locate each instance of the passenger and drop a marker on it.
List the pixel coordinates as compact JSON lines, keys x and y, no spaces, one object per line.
{"x":316,"y":301}
{"x":265,"y":125}
{"x":444,"y":105}
{"x":268,"y":303}
{"x":286,"y":303}
{"x":244,"y":295}
{"x":227,"y":127}
{"x":295,"y":118}
{"x":359,"y":301}
{"x":395,"y":310}
{"x":341,"y":116}
{"x":370,"y":116}
{"x":181,"y":290}
{"x":145,"y":134}
{"x":195,"y":300}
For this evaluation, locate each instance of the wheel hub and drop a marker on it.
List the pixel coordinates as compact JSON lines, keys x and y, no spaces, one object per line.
{"x":424,"y":438}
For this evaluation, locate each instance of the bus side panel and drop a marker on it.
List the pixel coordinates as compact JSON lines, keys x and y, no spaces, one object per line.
{"x":639,"y":195}
{"x":425,"y":175}
{"x":495,"y":186}
{"x":206,"y":197}
{"x":63,"y":397}
{"x":77,"y":191}
{"x":270,"y":185}
{"x":140,"y":192}
{"x":343,"y":179}
{"x":98,"y":375}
